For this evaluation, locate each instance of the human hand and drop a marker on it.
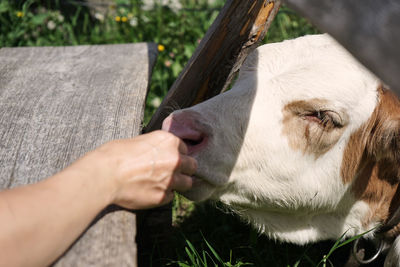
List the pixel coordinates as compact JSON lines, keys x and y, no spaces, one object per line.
{"x":144,"y":171}
{"x":134,"y":173}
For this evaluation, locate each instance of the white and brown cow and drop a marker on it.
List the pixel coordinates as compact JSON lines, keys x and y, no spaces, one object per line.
{"x":305,"y":146}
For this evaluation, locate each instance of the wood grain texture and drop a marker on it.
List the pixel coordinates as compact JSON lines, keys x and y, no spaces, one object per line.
{"x":56,"y":104}
{"x":369,"y":29}
{"x":237,"y":30}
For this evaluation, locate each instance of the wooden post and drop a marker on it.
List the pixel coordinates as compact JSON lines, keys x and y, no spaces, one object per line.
{"x":238,"y":29}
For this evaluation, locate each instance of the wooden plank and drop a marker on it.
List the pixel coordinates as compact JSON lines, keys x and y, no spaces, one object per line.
{"x":369,"y":29}
{"x":57,"y":103}
{"x":237,"y":30}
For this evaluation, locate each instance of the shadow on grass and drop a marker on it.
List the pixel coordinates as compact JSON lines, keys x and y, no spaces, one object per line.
{"x":235,"y":242}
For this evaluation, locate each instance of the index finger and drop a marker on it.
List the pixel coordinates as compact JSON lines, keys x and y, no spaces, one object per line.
{"x":182,"y":148}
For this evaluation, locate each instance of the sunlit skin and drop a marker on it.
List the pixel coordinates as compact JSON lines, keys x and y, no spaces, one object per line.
{"x":134,"y":173}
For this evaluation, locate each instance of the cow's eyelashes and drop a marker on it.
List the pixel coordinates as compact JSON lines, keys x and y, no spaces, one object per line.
{"x":326,"y":118}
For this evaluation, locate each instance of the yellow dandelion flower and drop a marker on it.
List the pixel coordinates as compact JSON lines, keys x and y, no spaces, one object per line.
{"x":124,"y":19}
{"x":130,"y":15}
{"x":117,"y":18}
{"x":20,"y":14}
{"x":161,"y":47}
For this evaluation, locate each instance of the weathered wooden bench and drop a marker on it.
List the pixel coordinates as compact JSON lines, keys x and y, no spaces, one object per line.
{"x":56,"y":104}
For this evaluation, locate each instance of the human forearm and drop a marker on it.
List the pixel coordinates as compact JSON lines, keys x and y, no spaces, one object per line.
{"x":38,"y":222}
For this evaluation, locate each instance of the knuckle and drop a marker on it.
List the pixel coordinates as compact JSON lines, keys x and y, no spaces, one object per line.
{"x":173,"y":139}
{"x":176,"y":139}
{"x":168,"y":137}
{"x":161,"y":196}
{"x":176,"y":159}
{"x":164,"y":197}
{"x":158,"y":133}
{"x":184,"y":146}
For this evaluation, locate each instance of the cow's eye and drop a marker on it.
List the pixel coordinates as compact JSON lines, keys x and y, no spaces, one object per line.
{"x":325,"y":118}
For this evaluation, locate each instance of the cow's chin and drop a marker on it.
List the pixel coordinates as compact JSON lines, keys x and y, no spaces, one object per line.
{"x":200,"y":191}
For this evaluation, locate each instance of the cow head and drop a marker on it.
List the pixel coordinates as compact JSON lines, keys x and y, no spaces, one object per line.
{"x":304,"y":146}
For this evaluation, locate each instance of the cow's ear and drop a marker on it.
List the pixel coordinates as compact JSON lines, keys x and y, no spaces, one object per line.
{"x":384,"y":139}
{"x":384,"y":136}
{"x":386,"y":143}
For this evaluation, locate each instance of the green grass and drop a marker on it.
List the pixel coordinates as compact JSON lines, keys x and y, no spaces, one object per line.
{"x":209,"y":235}
{"x":205,"y":234}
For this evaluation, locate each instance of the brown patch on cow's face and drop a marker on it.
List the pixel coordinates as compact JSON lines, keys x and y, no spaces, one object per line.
{"x":311,"y":127}
{"x":384,"y":141}
{"x":354,"y":154}
{"x":378,"y":187}
{"x":370,"y":160}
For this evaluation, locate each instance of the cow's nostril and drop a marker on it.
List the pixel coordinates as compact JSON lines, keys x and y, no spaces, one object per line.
{"x":193,"y":142}
{"x":185,"y":127}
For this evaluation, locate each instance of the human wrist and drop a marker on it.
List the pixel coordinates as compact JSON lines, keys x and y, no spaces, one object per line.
{"x":94,"y":175}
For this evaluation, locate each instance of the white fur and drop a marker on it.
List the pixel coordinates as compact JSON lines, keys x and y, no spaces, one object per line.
{"x":248,"y":163}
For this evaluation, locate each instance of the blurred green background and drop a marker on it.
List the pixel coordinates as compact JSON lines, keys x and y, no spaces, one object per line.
{"x":177,"y":26}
